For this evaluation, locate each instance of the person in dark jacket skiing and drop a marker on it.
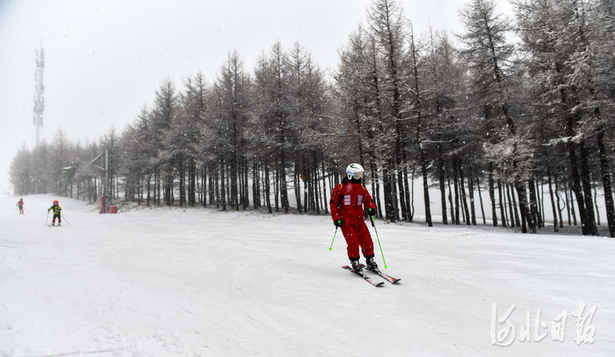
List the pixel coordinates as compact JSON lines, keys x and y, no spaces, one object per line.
{"x":56,"y":213}
{"x":20,"y":205}
{"x":348,"y":201}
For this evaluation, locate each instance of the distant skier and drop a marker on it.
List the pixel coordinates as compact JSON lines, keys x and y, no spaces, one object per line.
{"x":20,"y":205}
{"x":56,"y":213}
{"x":348,"y":200}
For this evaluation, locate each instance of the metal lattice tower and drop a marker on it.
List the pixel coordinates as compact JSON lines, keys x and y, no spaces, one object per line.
{"x":39,"y":97}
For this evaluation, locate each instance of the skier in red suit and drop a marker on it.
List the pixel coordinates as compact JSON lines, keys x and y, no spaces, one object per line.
{"x":348,"y":201}
{"x":20,"y":205}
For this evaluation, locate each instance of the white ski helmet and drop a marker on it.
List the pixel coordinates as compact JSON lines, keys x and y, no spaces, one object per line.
{"x":355,"y":171}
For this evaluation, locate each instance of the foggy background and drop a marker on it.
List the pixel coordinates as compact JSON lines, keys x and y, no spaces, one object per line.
{"x":104,"y":60}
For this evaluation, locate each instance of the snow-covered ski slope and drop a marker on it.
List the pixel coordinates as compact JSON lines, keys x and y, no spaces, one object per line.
{"x":197,"y":282}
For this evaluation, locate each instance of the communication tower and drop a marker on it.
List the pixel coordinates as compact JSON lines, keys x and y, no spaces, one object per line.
{"x":39,"y":97}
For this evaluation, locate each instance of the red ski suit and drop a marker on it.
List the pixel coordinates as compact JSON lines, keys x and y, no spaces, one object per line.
{"x":347,"y":203}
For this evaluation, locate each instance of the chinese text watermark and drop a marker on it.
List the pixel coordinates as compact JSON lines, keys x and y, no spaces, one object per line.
{"x":504,"y":332}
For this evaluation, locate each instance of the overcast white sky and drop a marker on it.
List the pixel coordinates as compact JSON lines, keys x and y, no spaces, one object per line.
{"x":104,"y":59}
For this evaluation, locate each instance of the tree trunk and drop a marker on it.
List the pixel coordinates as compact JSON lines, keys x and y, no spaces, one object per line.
{"x":514,"y":218}
{"x":451,"y":203}
{"x":464,"y":201}
{"x":192,"y":183}
{"x":456,"y":186}
{"x":325,"y":192}
{"x":376,"y":190}
{"x":480,"y":199}
{"x":426,"y":199}
{"x":402,"y":187}
{"x":494,"y":211}
{"x":502,"y":204}
{"x":297,"y":183}
{"x":388,"y":196}
{"x":589,"y":221}
{"x":222,"y":183}
{"x":441,"y":179}
{"x":268,"y":190}
{"x":527,"y":224}
{"x":606,"y":183}
{"x":149,"y":188}
{"x":553,"y":203}
{"x":282,"y":182}
{"x":534,"y":212}
{"x":256,"y":192}
{"x":182,"y":181}
{"x":471,"y":194}
{"x":168,"y":184}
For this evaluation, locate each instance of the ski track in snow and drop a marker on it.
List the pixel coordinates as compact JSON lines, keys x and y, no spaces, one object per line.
{"x":198,"y":282}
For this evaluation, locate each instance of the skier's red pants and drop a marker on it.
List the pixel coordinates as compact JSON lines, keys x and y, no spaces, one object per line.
{"x":357,"y":236}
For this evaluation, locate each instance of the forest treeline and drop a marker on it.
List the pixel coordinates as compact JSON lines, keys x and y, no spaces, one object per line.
{"x":519,"y":110}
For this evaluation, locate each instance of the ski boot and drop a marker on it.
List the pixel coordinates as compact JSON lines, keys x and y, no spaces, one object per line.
{"x":356,"y":266}
{"x":371,"y":264}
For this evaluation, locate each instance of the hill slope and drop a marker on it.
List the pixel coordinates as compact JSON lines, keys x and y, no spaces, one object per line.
{"x":197,"y":282}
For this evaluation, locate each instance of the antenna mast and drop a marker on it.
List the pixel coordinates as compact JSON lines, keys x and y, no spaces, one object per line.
{"x":39,"y":97}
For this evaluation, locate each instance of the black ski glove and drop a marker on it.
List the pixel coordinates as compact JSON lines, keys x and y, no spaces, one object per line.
{"x":337,"y":223}
{"x":371,"y":211}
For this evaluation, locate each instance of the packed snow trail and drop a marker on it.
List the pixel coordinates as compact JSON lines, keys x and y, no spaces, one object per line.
{"x":197,"y":282}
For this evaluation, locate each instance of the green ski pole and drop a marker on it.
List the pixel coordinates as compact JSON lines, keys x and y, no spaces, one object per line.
{"x":331,"y":247}
{"x":380,"y":245}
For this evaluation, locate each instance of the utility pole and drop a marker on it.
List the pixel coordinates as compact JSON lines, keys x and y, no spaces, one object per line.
{"x":39,"y":97}
{"x":107,"y":186}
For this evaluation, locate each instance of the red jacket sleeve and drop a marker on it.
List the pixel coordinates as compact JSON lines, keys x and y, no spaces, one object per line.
{"x":334,"y":203}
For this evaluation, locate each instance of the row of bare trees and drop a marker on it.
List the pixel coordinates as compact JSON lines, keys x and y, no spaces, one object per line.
{"x":516,"y":104}
{"x":231,"y":143}
{"x":508,"y":109}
